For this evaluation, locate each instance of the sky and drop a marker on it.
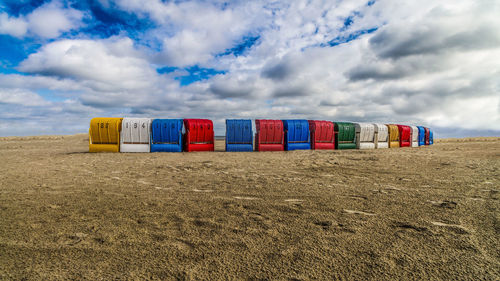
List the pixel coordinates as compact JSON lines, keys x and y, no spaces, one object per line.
{"x":430,"y":63}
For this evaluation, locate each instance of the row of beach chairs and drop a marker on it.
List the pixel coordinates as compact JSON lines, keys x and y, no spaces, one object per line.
{"x":176,"y":135}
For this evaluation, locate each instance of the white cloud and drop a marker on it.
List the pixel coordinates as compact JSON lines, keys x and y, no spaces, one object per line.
{"x":47,"y":21}
{"x":51,"y":19}
{"x":21,"y":97}
{"x":192,"y":32}
{"x":39,"y":82}
{"x":468,"y":112}
{"x":108,"y":73}
{"x":16,"y":27}
{"x":105,"y":65}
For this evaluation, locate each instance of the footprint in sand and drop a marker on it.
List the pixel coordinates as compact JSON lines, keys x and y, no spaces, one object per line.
{"x":202,"y":190}
{"x":475,"y":198}
{"x":358,"y":197}
{"x":406,"y":225}
{"x":455,"y":227}
{"x":444,"y":204}
{"x":324,"y":224}
{"x":354,"y":212}
{"x":245,"y":198}
{"x":183,"y":245}
{"x":143,"y":182}
{"x":294,"y":201}
{"x":75,"y":239}
{"x":163,"y":188}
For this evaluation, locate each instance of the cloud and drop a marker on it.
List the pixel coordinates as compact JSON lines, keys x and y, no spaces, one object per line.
{"x":16,"y":27}
{"x":193,"y":32}
{"x":378,"y":71}
{"x":38,"y":82}
{"x":232,"y":88}
{"x":110,"y":74}
{"x":106,"y":65}
{"x":21,"y":97}
{"x":49,"y":20}
{"x":396,"y":42}
{"x":278,"y":71}
{"x":442,"y":29}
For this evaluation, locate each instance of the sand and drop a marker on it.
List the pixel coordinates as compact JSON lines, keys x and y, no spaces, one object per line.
{"x":402,"y":214}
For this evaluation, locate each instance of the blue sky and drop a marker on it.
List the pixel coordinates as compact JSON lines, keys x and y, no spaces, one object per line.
{"x":432,"y":63}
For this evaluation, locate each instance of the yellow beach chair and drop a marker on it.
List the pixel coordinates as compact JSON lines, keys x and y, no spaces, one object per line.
{"x":393,"y":136}
{"x":104,"y":134}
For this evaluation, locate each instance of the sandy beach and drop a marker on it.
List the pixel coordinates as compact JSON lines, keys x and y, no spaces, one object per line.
{"x":401,"y":214}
